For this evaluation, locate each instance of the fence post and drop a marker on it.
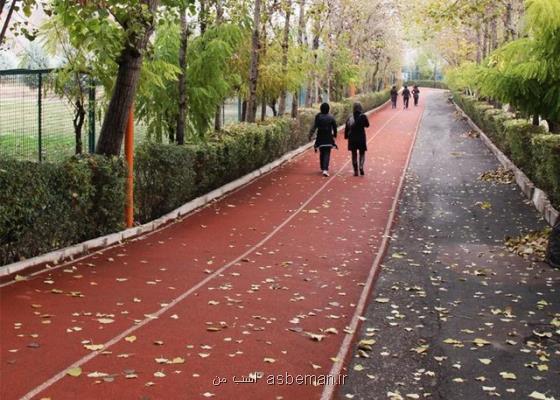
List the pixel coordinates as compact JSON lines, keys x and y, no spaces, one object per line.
{"x":40,"y":116}
{"x":129,"y":156}
{"x":91,"y":116}
{"x":239,"y":109}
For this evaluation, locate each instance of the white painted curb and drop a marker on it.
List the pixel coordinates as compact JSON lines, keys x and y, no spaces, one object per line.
{"x":537,"y":196}
{"x":68,"y":253}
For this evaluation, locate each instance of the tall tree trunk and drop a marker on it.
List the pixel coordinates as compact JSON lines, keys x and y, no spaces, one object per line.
{"x":263,"y":109}
{"x":313,"y":87}
{"x":301,"y":29}
{"x":219,"y":19}
{"x":7,"y":20}
{"x":479,"y":45}
{"x":508,"y":23}
{"x":244,"y":111}
{"x":254,"y":67}
{"x":285,"y":49}
{"x":78,"y":122}
{"x":486,"y":38}
{"x":493,"y":34}
{"x":126,"y":84}
{"x":182,"y":115}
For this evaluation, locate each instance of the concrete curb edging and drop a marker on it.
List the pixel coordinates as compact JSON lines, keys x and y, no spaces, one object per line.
{"x":100,"y":243}
{"x":537,"y":196}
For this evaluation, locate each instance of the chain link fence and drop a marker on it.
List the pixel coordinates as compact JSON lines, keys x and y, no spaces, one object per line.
{"x":36,"y":122}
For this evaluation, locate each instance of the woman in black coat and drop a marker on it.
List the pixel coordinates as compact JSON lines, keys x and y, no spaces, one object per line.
{"x":326,"y":128}
{"x":355,"y":132}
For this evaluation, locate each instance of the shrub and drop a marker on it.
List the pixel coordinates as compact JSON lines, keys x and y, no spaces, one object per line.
{"x":546,"y":156}
{"x":168,"y":176}
{"x":47,"y":206}
{"x":533,"y":151}
{"x":164,"y":175}
{"x":518,"y":134}
{"x":493,"y":123}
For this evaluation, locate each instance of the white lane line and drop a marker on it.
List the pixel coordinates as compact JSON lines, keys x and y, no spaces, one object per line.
{"x":329,"y":390}
{"x":48,"y":383}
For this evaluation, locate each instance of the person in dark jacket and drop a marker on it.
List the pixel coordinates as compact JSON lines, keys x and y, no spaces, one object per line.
{"x":326,"y":128}
{"x":394,"y":96}
{"x":416,"y":94}
{"x":406,"y":96}
{"x":355,"y":132}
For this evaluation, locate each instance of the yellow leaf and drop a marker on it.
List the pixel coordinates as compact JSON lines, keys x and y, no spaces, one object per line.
{"x":130,"y":339}
{"x":481,"y":342}
{"x":74,"y":372}
{"x":93,"y":347}
{"x":508,"y":375}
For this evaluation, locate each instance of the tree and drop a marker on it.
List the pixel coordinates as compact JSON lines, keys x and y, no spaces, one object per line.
{"x":526,"y":72}
{"x":182,"y":114}
{"x":254,"y":65}
{"x":287,"y":5}
{"x":117,"y":34}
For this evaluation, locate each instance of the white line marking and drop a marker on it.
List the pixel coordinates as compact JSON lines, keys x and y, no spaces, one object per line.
{"x":193,"y":289}
{"x":328,"y":391}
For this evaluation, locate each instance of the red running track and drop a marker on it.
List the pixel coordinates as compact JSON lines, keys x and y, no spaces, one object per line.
{"x":270,"y":280}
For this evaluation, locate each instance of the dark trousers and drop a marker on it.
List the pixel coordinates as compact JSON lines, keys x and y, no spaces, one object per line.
{"x":324,"y":157}
{"x":406,"y":100}
{"x":394,"y":102}
{"x":358,"y":162}
{"x":416,"y":100}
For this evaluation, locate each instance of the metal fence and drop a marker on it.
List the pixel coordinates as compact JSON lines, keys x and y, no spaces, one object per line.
{"x":36,"y":123}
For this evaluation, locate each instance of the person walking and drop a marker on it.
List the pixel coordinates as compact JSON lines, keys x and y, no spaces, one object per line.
{"x":325,"y":126}
{"x":416,"y":95}
{"x":355,"y":133}
{"x":394,"y":96}
{"x":406,"y":96}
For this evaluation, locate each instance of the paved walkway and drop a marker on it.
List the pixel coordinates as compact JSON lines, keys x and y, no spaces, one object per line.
{"x":454,"y":314}
{"x":269,"y":281}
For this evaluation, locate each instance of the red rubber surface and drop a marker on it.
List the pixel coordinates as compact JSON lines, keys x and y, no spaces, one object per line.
{"x":306,"y":277}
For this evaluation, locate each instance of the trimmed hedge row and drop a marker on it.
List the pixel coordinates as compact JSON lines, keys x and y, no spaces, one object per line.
{"x":47,"y":206}
{"x":239,"y":150}
{"x":530,"y":147}
{"x":428,"y":84}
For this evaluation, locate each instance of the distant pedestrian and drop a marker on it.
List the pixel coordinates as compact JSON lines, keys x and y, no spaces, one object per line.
{"x":416,"y":95}
{"x":325,"y":126}
{"x":406,"y":96}
{"x":355,"y":132}
{"x":394,"y":96}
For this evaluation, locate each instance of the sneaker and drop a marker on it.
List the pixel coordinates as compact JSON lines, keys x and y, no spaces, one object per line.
{"x":355,"y":172}
{"x":326,"y":173}
{"x":362,"y":172}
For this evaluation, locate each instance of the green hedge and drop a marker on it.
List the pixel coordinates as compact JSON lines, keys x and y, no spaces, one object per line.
{"x":428,"y":84}
{"x":239,"y":150}
{"x":536,"y":153}
{"x":546,"y":156}
{"x":47,"y":206}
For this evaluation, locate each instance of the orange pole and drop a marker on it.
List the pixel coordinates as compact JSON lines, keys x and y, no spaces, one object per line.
{"x":352,"y":90}
{"x":129,"y":155}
